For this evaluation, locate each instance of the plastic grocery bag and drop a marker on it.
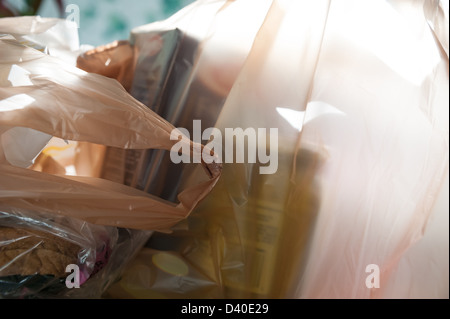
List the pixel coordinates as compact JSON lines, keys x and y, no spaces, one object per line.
{"x":55,"y":211}
{"x":359,"y":94}
{"x":180,"y":70}
{"x":68,"y":103}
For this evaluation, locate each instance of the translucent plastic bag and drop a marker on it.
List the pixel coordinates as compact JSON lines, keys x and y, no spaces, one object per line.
{"x":359,"y":94}
{"x":55,"y":211}
{"x":74,"y":105}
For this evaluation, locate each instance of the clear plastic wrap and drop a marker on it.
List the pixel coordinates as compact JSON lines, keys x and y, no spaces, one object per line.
{"x":36,"y":248}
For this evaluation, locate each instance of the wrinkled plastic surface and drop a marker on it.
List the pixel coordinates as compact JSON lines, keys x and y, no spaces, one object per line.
{"x":74,"y":105}
{"x":55,"y":123}
{"x":57,"y":37}
{"x":359,"y":94}
{"x":36,"y":248}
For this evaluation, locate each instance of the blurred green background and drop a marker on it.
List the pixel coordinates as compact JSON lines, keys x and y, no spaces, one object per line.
{"x":101,"y":21}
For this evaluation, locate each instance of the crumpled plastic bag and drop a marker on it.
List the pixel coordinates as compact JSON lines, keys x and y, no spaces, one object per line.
{"x":359,"y":94}
{"x":54,"y":208}
{"x":96,"y":110}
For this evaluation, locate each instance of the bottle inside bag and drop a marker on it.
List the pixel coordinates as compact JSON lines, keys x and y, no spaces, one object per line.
{"x":259,"y":228}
